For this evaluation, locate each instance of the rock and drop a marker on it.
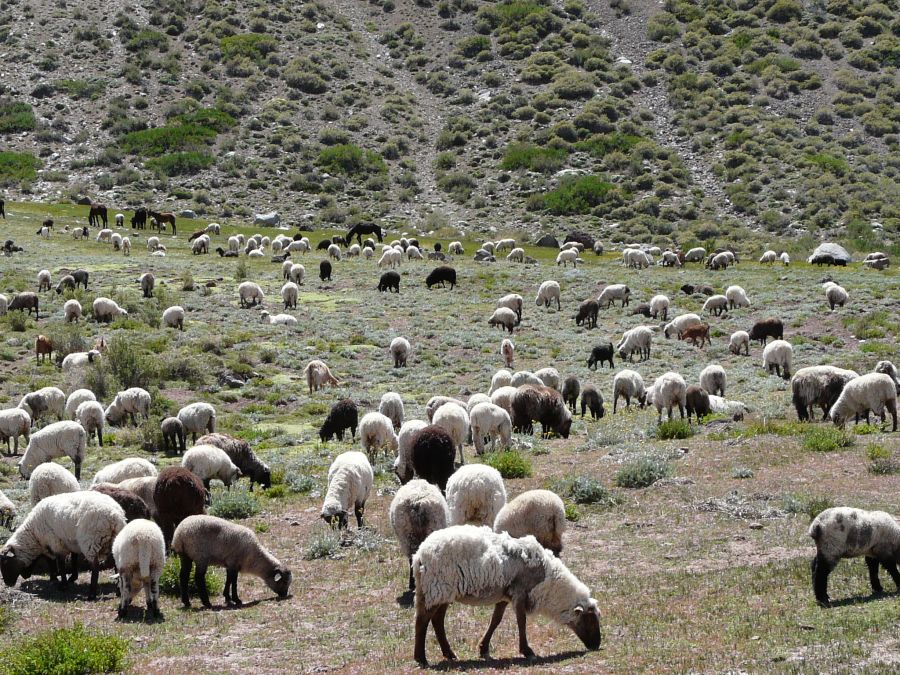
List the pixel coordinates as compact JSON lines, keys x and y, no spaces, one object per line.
{"x":830,"y":254}
{"x":582,"y":238}
{"x":84,"y":201}
{"x":755,"y":526}
{"x":547,"y":241}
{"x":268,"y":219}
{"x":187,"y":213}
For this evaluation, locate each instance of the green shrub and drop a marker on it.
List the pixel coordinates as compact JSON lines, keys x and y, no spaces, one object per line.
{"x":180,"y":163}
{"x":65,"y":651}
{"x":663,"y":27}
{"x":166,"y":139}
{"x":642,"y":472}
{"x":572,"y":514}
{"x":301,"y":484}
{"x":601,"y":145}
{"x":253,"y":46}
{"x":15,"y":117}
{"x":128,"y":364}
{"x":532,"y":157}
{"x":783,"y":11}
{"x":234,"y":505}
{"x":576,"y":196}
{"x":827,"y":439}
{"x":509,"y":463}
{"x":586,"y":490}
{"x":881,"y":460}
{"x":18,"y":166}
{"x":811,"y":505}
{"x":207,"y":118}
{"x":170,"y":580}
{"x":351,"y":160}
{"x":322,"y":544}
{"x":670,"y":429}
{"x":18,"y":321}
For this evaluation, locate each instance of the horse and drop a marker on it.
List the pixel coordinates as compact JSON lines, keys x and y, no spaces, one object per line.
{"x":3,"y":208}
{"x":98,"y":213}
{"x":364,"y":228}
{"x":166,"y":217}
{"x":139,"y":220}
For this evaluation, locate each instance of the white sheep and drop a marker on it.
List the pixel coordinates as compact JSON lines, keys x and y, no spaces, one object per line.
{"x":679,"y":324}
{"x":890,"y":369}
{"x":836,"y":295}
{"x":413,"y":253}
{"x":376,"y":432}
{"x":637,"y":339}
{"x":104,"y":235}
{"x":516,"y":255}
{"x":507,"y":351}
{"x":139,"y":552}
{"x":739,"y":339}
{"x":548,"y":291}
{"x":132,"y":401}
{"x":208,"y":462}
{"x":250,"y":294}
{"x":713,"y":379}
{"x":735,"y":409}
{"x":453,"y":419}
{"x":474,"y":400}
{"x":436,"y":402}
{"x":334,"y":252}
{"x":777,"y":357}
{"x":116,"y":241}
{"x":44,"y":402}
{"x":89,"y":415}
{"x":130,"y":467}
{"x":514,"y":302}
{"x":818,"y":386}
{"x":456,"y":248}
{"x":716,"y":304}
{"x":667,"y":391}
{"x":400,"y":349}
{"x":417,"y":510}
{"x":785,"y":258}
{"x":768,"y":257}
{"x":278,"y":319}
{"x":318,"y":375}
{"x":350,"y":480}
{"x":43,"y":279}
{"x":198,"y":418}
{"x":628,"y":384}
{"x":567,"y":256}
{"x":614,"y":292}
{"x":549,"y":377}
{"x":152,"y":244}
{"x":521,"y":377}
{"x":501,"y":378}
{"x":504,"y":318}
{"x":355,"y":250}
{"x":106,"y":310}
{"x":489,"y":420}
{"x":391,"y":406}
{"x":695,"y":255}
{"x":173,"y":317}
{"x":290,"y":292}
{"x":50,"y":479}
{"x":14,"y":422}
{"x":403,"y":463}
{"x":59,"y":439}
{"x":503,"y":396}
{"x":737,"y":297}
{"x":875,"y":392}
{"x":76,"y":360}
{"x":475,"y":495}
{"x":72,"y":310}
{"x":635,"y":258}
{"x":659,"y":307}
{"x":489,"y":246}
{"x":7,"y":511}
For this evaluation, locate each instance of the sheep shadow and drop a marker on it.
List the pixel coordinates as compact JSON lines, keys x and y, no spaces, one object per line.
{"x":406,"y":599}
{"x":49,"y":590}
{"x":509,"y":662}
{"x":862,"y":599}
{"x":140,"y":615}
{"x":229,"y":608}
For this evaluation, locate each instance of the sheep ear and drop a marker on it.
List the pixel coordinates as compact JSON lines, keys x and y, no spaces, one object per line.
{"x":277,"y":576}
{"x":10,"y":554}
{"x":579,"y":609}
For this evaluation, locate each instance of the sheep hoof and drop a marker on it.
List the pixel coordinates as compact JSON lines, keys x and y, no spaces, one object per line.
{"x":824,"y":604}
{"x":122,"y":613}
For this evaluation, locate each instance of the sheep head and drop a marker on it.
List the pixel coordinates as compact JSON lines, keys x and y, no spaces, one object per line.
{"x":279,"y":581}
{"x":337,"y":521}
{"x":586,"y":624}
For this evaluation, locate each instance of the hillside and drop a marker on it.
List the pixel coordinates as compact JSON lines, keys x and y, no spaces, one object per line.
{"x":683,"y":120}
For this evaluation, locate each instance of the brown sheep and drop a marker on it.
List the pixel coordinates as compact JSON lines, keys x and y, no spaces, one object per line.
{"x":544,"y":404}
{"x":694,"y":333}
{"x":697,"y":402}
{"x":134,"y":506}
{"x":178,"y":493}
{"x":763,"y":330}
{"x":27,"y":300}
{"x":587,"y":313}
{"x":239,"y":452}
{"x":643,"y":309}
{"x":43,"y":347}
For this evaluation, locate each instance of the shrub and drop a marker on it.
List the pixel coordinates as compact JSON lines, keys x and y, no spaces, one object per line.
{"x":171,"y":138}
{"x":15,"y":117}
{"x":350,"y":159}
{"x":180,"y":163}
{"x":234,"y":505}
{"x":663,"y":27}
{"x":586,"y":490}
{"x":811,"y":505}
{"x":642,"y":472}
{"x":323,"y":544}
{"x":169,"y":581}
{"x":509,"y":463}
{"x":82,"y":89}
{"x":783,"y":11}
{"x":572,"y":514}
{"x":827,"y":439}
{"x":674,"y":429}
{"x":881,"y":460}
{"x":532,"y":157}
{"x":742,"y":472}
{"x":129,"y":366}
{"x":253,"y":46}
{"x":69,"y":651}
{"x":18,"y":166}
{"x":576,"y":196}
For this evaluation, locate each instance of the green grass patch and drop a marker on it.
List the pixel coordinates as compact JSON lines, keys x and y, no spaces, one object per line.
{"x":18,"y":166}
{"x":181,"y":163}
{"x":510,"y":463}
{"x":169,"y":581}
{"x":234,"y":505}
{"x":586,"y":490}
{"x":65,"y":651}
{"x":642,"y":472}
{"x":90,"y":90}
{"x":601,"y":145}
{"x":253,"y":46}
{"x":351,"y":160}
{"x":208,"y":118}
{"x":881,"y":460}
{"x":166,"y":139}
{"x":532,"y":157}
{"x":827,"y":439}
{"x":674,"y":429}
{"x":577,"y":196}
{"x":829,"y":163}
{"x":15,"y":117}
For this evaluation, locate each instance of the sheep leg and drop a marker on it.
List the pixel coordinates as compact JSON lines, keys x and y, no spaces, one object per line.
{"x":78,"y":469}
{"x":124,"y":597}
{"x":484,"y":647}
{"x":821,"y":568}
{"x":872,"y":564}
{"x":891,"y":567}
{"x":412,"y":579}
{"x":200,"y":578}
{"x":423,"y":618}
{"x":185,"y":579}
{"x":440,"y":632}
{"x":95,"y":576}
{"x":522,"y":621}
{"x":358,"y":512}
{"x":462,"y":460}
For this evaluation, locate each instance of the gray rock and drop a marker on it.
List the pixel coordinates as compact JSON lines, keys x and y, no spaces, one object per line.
{"x":187,"y":213}
{"x":547,"y":241}
{"x":830,"y":254}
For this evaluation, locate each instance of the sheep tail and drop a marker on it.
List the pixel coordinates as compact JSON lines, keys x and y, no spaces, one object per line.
{"x":144,"y":561}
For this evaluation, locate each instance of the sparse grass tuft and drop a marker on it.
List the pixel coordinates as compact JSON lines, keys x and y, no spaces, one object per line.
{"x":69,"y":651}
{"x":881,"y":460}
{"x":322,"y":544}
{"x":510,"y":464}
{"x":742,"y":472}
{"x":170,"y":579}
{"x":811,"y":505}
{"x":234,"y":505}
{"x":827,"y":439}
{"x":671,"y":429}
{"x":642,"y":472}
{"x":586,"y":490}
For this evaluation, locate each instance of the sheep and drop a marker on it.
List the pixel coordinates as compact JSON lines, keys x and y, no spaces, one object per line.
{"x":105,"y":310}
{"x":334,"y":252}
{"x":25,"y":301}
{"x":116,"y":241}
{"x":777,"y":358}
{"x":503,"y":397}
{"x":501,"y":378}
{"x":197,"y":418}
{"x":43,"y":347}
{"x":131,"y":402}
{"x":570,"y":390}
{"x":785,"y":258}
{"x":130,"y":467}
{"x":89,"y":415}
{"x":148,"y":283}
{"x":50,"y":479}
{"x":539,"y":513}
{"x":875,"y":392}
{"x":636,"y":259}
{"x":350,"y":480}
{"x":717,"y":304}
{"x":173,"y":317}
{"x":7,"y":512}
{"x":343,"y":415}
{"x":417,"y":509}
{"x":718,"y":261}
{"x":504,"y":318}
{"x":403,"y":462}
{"x":587,"y":313}
{"x":453,"y":419}
{"x":389,"y":281}
{"x":637,"y":339}
{"x":174,"y":438}
{"x":250,"y":294}
{"x":325,"y":270}
{"x":679,"y":324}
{"x":139,"y":552}
{"x":659,"y":307}
{"x":391,"y":406}
{"x":489,"y":420}
{"x":104,"y":235}
{"x":836,"y":295}
{"x":521,"y":377}
{"x":285,"y":269}
{"x":14,"y":422}
{"x":766,"y":328}
{"x":289,"y":294}
{"x":548,"y":292}
{"x":514,"y":302}
{"x":507,"y":351}
{"x":546,"y":405}
{"x":72,"y":310}
{"x":152,"y":244}
{"x":43,"y":402}
{"x":143,"y":488}
{"x":207,"y":540}
{"x":548,"y":377}
{"x":413,"y":253}
{"x":713,"y":379}
{"x":81,"y":523}
{"x":739,"y":339}
{"x":77,"y":360}
{"x":737,"y":297}
{"x":376,"y":431}
{"x":177,"y":494}
{"x":126,"y":246}
{"x":243,"y":457}
{"x":614,"y":292}
{"x":667,"y":391}
{"x":436,"y":402}
{"x":43,"y":278}
{"x":735,"y":409}
{"x":567,"y":256}
{"x":695,"y":255}
{"x":475,"y":495}
{"x":441,"y":275}
{"x":844,"y":532}
{"x":628,"y":384}
{"x":400,"y":349}
{"x":516,"y":255}
{"x":208,"y":462}
{"x":474,"y":565}
{"x":696,"y":402}
{"x":430,"y":457}
{"x":670,"y":259}
{"x":132,"y":504}
{"x":593,"y":401}
{"x":59,"y":439}
{"x":67,"y":283}
{"x":768,"y":257}
{"x":318,"y":375}
{"x":600,"y":354}
{"x":278,"y":319}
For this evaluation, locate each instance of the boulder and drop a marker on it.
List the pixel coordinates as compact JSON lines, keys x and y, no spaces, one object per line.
{"x":270,"y":219}
{"x":582,"y":238}
{"x":830,"y":254}
{"x":547,"y":241}
{"x":84,"y":201}
{"x":187,"y":213}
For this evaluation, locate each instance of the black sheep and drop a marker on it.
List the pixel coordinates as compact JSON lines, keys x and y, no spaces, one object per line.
{"x":593,"y":401}
{"x":134,"y":506}
{"x":763,"y":330}
{"x":432,"y":456}
{"x":571,"y":389}
{"x":441,"y":275}
{"x":601,"y":354}
{"x":325,"y":270}
{"x":643,"y":309}
{"x":81,"y":277}
{"x":587,"y":313}
{"x":389,"y":281}
{"x":343,"y":415}
{"x":323,"y":245}
{"x":178,"y":493}
{"x":226,"y":254}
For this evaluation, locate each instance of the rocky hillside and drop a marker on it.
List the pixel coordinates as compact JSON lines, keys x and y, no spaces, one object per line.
{"x":680,"y":120}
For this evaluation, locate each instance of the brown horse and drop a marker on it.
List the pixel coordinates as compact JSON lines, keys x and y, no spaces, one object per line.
{"x":98,"y":213}
{"x":166,"y":217}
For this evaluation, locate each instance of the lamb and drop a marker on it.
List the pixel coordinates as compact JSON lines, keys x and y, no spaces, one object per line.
{"x":243,"y":457}
{"x":250,"y":294}
{"x":436,"y":402}
{"x":177,"y":494}
{"x":713,"y":379}
{"x":389,"y":281}
{"x":7,"y":512}
{"x":45,"y":401}
{"x":628,"y":384}
{"x":593,"y":401}
{"x":90,"y":416}
{"x":659,"y":307}
{"x":489,"y":420}
{"x":197,"y":418}
{"x":318,"y":375}
{"x":343,"y":415}
{"x":777,"y":358}
{"x":737,"y":297}
{"x":763,"y":330}
{"x":376,"y":431}
{"x":875,"y":392}
{"x":716,"y":304}
{"x":430,"y":457}
{"x":81,"y":523}
{"x":207,"y":540}
{"x":534,"y":402}
{"x":105,"y":310}
{"x":350,"y":481}
{"x":130,"y":467}
{"x":600,"y":354}
{"x":476,"y":566}
{"x":667,"y":391}
{"x":739,"y":339}
{"x":417,"y":510}
{"x":697,"y":335}
{"x":126,"y":246}
{"x":131,"y":402}
{"x":507,"y":351}
{"x":453,"y":419}
{"x":637,"y":339}
{"x":139,"y":551}
{"x":400,"y":349}
{"x":679,"y":324}
{"x":587,"y":314}
{"x":697,"y":402}
{"x":403,"y":462}
{"x":72,"y":310}
{"x":504,"y":318}
{"x":735,"y":409}
{"x":441,"y":275}
{"x":278,"y":319}
{"x":174,"y":438}
{"x":55,"y":440}
{"x":844,"y":532}
{"x":475,"y":495}
{"x":567,"y":256}
{"x":391,"y":406}
{"x":539,"y":513}
{"x":514,"y":302}
{"x":614,"y":292}
{"x":148,"y":283}
{"x":548,"y":377}
{"x":43,"y":278}
{"x":516,"y":255}
{"x":548,"y":292}
{"x":14,"y":422}
{"x":208,"y":462}
{"x":501,"y":378}
{"x":570,"y":390}
{"x":836,"y":295}
{"x":77,"y":360}
{"x":173,"y":317}
{"x":50,"y":479}
{"x":43,"y":347}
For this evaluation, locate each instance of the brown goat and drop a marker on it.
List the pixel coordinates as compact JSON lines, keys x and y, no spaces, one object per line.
{"x":694,"y":333}
{"x":43,"y":347}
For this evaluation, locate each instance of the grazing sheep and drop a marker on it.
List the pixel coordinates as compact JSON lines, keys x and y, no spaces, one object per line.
{"x":389,"y":281}
{"x":719,"y":261}
{"x":391,"y":406}
{"x":430,"y":456}
{"x":766,"y":328}
{"x":713,"y":379}
{"x":600,"y":354}
{"x":507,"y":351}
{"x":570,"y":390}
{"x":638,"y":339}
{"x":549,"y":377}
{"x":43,"y":278}
{"x":139,"y":551}
{"x":453,"y":419}
{"x":376,"y":432}
{"x":543,"y":404}
{"x":489,"y":420}
{"x":104,"y":235}
{"x":77,"y":360}
{"x":133,"y":506}
{"x":670,"y":259}
{"x":739,"y":339}
{"x":777,"y":358}
{"x":504,"y":318}
{"x":538,"y":513}
{"x":475,"y":495}
{"x":50,"y":479}
{"x":7,"y":512}
{"x":436,"y":402}
{"x":296,"y":273}
{"x":243,"y":457}
{"x":516,"y":255}
{"x":197,"y":418}
{"x":152,"y":244}
{"x":441,"y":275}
{"x":250,"y":294}
{"x":844,"y":532}
{"x":89,"y":415}
{"x":695,"y":255}
{"x":413,"y":253}
{"x":875,"y":392}
{"x":567,"y":256}
{"x":67,"y":283}
{"x":717,"y":304}
{"x":696,"y":402}
{"x":142,"y":487}
{"x":614,"y":292}
{"x":177,"y":494}
{"x":593,"y":401}
{"x":290,"y":292}
{"x":735,"y":409}
{"x":278,"y":319}
{"x":131,"y":402}
{"x":548,"y":292}
{"x":105,"y":310}
{"x":43,"y":347}
{"x":400,"y":349}
{"x":173,"y":317}
{"x":334,"y":252}
{"x":55,"y":440}
{"x":521,"y":377}
{"x":174,"y":438}
{"x":116,"y":241}
{"x":207,"y":540}
{"x":659,"y":307}
{"x":697,"y":335}
{"x":130,"y":467}
{"x":587,"y":314}
{"x":768,"y":257}
{"x":455,"y":248}
{"x":836,"y":295}
{"x":318,"y":375}
{"x":628,"y":384}
{"x":514,"y":302}
{"x":417,"y":509}
{"x":126,"y":246}
{"x":72,"y":310}
{"x":737,"y":297}
{"x":325,"y":270}
{"x":148,"y":283}
{"x":403,"y":462}
{"x":44,"y":402}
{"x":14,"y":422}
{"x":679,"y":324}
{"x":888,"y":368}
{"x":667,"y":391}
{"x":343,"y":415}
{"x":501,"y":378}
{"x":785,"y":258}
{"x":208,"y":462}
{"x":25,"y":301}
{"x":477,"y":566}
{"x":350,"y":481}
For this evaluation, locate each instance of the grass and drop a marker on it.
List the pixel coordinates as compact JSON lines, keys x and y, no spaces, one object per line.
{"x":322,"y":544}
{"x":17,"y":166}
{"x":827,"y":439}
{"x":234,"y":504}
{"x":65,"y":651}
{"x":510,"y":463}
{"x":642,"y":472}
{"x":674,"y":429}
{"x":586,"y":490}
{"x":170,"y":581}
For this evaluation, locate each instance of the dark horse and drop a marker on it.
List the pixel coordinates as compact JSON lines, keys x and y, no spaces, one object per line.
{"x":167,"y":217}
{"x":98,"y":213}
{"x":139,"y":220}
{"x":364,"y":228}
{"x":3,"y":209}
